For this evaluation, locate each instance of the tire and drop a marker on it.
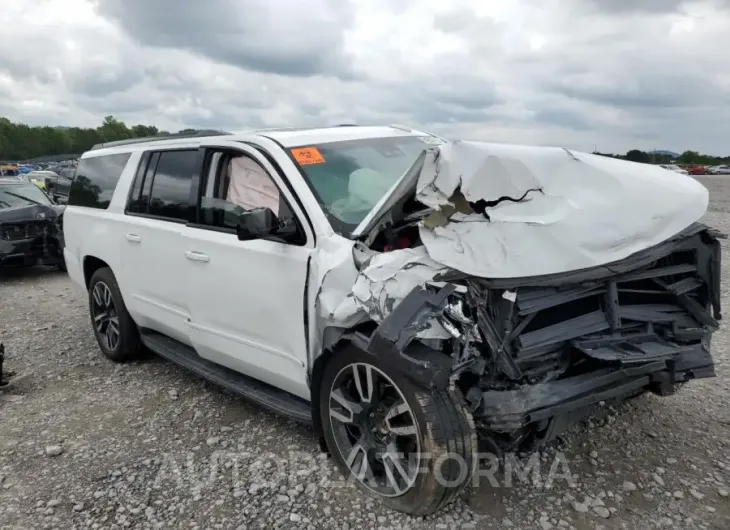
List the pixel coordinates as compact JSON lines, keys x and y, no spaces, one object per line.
{"x":62,"y":266}
{"x":104,"y":294}
{"x":437,"y":432}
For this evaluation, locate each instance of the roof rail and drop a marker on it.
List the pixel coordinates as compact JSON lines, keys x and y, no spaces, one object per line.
{"x":400,"y":127}
{"x":175,"y":136}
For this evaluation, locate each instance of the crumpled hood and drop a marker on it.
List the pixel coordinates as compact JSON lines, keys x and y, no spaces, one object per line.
{"x":506,"y":211}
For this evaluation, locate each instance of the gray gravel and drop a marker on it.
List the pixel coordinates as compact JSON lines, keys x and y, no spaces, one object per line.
{"x":85,"y":443}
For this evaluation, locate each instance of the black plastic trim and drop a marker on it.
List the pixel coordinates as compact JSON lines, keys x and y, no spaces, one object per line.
{"x":263,"y":394}
{"x":512,"y":409}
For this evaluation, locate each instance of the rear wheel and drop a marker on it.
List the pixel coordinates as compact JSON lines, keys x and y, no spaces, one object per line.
{"x":413,"y":448}
{"x":115,"y":331}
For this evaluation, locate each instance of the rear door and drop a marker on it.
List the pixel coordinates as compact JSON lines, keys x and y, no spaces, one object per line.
{"x":247,"y":298}
{"x":152,"y":246}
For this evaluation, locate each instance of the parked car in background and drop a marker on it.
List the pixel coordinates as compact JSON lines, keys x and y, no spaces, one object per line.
{"x":59,"y":187}
{"x":31,"y":226}
{"x":696,"y":170}
{"x":39,"y":178}
{"x":675,"y":168}
{"x":55,"y":184}
{"x":8,"y":170}
{"x":720,"y":170}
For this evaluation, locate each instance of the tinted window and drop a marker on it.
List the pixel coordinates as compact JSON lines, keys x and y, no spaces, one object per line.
{"x":137,"y":203}
{"x":95,"y":181}
{"x":170,"y":194}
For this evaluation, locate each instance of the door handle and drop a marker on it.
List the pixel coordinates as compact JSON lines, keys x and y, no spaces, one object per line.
{"x":196,"y":256}
{"x":133,"y":238}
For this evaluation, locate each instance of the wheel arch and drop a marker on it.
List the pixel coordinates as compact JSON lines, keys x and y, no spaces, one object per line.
{"x":92,"y":264}
{"x":445,"y":419}
{"x":427,"y":368}
{"x":315,"y":381}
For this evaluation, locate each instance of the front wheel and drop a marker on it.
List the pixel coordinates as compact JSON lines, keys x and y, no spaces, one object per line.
{"x":415,"y":449}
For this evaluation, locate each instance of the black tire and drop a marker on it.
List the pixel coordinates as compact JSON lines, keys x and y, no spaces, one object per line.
{"x":128,"y":346}
{"x":447,"y":440}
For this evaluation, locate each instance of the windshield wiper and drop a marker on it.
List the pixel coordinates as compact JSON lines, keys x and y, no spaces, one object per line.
{"x":24,"y":197}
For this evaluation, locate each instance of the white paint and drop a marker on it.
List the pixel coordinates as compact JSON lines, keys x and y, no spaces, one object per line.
{"x":591,"y":210}
{"x":389,"y":277}
{"x":242,"y":304}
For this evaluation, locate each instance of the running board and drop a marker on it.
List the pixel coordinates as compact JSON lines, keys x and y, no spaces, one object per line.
{"x":267,"y":396}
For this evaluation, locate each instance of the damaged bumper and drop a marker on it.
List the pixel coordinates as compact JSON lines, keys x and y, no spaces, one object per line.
{"x":531,"y":355}
{"x":551,"y":407}
{"x":41,"y":248}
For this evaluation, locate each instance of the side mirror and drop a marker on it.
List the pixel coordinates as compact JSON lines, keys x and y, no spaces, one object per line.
{"x":262,"y":223}
{"x":256,"y":224}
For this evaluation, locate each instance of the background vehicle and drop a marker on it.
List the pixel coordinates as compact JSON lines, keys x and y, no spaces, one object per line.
{"x":9,"y":170}
{"x":31,"y":226}
{"x":696,"y":170}
{"x":720,"y":170}
{"x":305,"y":269}
{"x":59,"y":187}
{"x":675,"y":168}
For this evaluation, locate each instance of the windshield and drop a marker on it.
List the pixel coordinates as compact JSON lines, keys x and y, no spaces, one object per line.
{"x":348,"y":178}
{"x":16,"y":195}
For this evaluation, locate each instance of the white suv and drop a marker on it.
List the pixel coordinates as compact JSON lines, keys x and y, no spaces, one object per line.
{"x":401,"y":293}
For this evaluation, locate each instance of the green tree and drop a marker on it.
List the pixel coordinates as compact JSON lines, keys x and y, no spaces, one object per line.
{"x":21,"y":142}
{"x":112,"y":129}
{"x":638,"y":156}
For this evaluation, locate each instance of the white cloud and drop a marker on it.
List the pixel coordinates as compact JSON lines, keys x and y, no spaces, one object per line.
{"x":578,"y":73}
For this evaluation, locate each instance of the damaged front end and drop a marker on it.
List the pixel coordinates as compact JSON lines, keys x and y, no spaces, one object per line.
{"x":532,"y":355}
{"x":31,"y":235}
{"x":538,"y":281}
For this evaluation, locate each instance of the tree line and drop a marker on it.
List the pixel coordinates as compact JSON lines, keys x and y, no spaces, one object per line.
{"x":22,"y":142}
{"x":688,"y":157}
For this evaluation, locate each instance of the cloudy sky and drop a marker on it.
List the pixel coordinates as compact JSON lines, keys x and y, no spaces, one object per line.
{"x":615,"y":74}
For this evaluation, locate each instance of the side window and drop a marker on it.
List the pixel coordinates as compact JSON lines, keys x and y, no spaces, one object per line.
{"x":234,"y":184}
{"x":139,"y":197}
{"x":95,"y":180}
{"x":169,"y":195}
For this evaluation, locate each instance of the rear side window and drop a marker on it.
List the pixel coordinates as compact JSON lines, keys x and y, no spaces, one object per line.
{"x":162,"y":188}
{"x":139,"y":201}
{"x":95,"y":181}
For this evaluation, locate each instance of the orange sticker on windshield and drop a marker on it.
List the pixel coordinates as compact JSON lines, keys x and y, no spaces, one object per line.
{"x":307,"y":155}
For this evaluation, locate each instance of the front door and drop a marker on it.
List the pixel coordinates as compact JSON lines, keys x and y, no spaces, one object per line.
{"x":246,"y":298}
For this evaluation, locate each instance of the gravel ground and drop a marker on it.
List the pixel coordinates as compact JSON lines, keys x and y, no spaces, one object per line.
{"x":85,"y":443}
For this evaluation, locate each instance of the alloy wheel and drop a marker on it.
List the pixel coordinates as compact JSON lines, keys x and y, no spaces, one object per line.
{"x":375,"y":429}
{"x":106,"y":319}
